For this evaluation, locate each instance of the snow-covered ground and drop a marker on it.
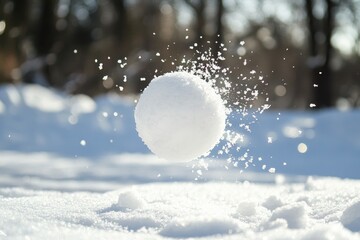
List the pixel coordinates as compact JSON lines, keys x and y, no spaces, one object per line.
{"x":74,"y":168}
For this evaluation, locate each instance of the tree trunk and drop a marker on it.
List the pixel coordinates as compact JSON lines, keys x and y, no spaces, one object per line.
{"x":121,"y":25}
{"x":320,"y":56}
{"x":219,"y":26}
{"x":199,"y":9}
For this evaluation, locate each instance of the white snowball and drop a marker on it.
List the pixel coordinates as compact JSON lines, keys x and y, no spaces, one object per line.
{"x":180,"y":117}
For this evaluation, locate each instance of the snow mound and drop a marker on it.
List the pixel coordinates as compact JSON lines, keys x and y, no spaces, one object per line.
{"x":180,"y":117}
{"x":42,"y":99}
{"x":200,"y":228}
{"x":176,"y":210}
{"x":351,"y":217}
{"x":329,"y":232}
{"x":39,"y":119}
{"x":105,"y":125}
{"x":81,"y":104}
{"x":272,"y":203}
{"x":130,"y":200}
{"x":296,"y":215}
{"x":246,"y":209}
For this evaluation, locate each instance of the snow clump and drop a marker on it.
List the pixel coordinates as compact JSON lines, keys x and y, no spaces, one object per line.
{"x":180,"y":117}
{"x":130,"y":200}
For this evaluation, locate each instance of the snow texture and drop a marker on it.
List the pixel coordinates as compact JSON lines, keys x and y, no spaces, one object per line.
{"x":180,"y":117}
{"x":183,"y":210}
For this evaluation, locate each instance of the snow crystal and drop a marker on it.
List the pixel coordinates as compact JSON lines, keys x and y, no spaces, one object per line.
{"x":180,"y":117}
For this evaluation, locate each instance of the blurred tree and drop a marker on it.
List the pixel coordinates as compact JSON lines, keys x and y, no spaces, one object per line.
{"x":121,"y":24}
{"x":14,"y":17}
{"x":198,"y":7}
{"x":219,"y":38}
{"x":73,"y":44}
{"x":44,"y":36}
{"x":320,"y":33}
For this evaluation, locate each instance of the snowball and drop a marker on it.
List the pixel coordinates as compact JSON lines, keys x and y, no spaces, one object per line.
{"x":180,"y":117}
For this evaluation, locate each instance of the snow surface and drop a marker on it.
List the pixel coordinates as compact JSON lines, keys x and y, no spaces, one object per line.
{"x":74,"y":168}
{"x":180,"y":117}
{"x":186,"y":210}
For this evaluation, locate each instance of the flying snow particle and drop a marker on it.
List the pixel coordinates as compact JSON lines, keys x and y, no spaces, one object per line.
{"x":83,"y":142}
{"x":180,"y":117}
{"x":105,"y":114}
